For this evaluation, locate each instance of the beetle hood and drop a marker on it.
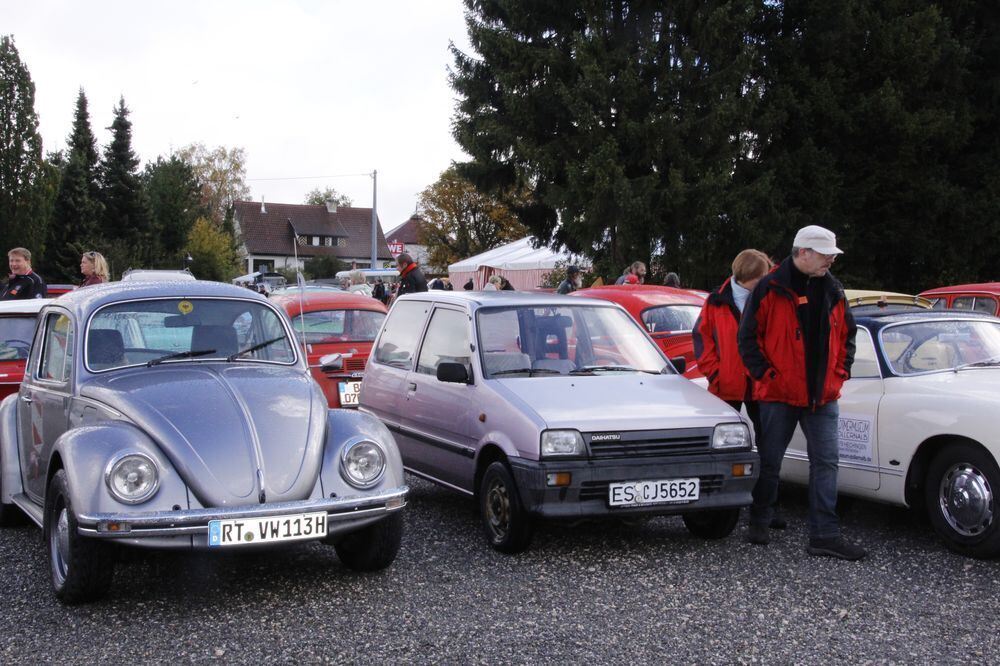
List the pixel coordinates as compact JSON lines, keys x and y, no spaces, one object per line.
{"x":614,"y":401}
{"x":231,"y":431}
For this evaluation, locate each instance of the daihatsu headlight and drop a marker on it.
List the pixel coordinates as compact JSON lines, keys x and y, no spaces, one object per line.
{"x":563,"y":443}
{"x":731,"y":436}
{"x":132,"y":478}
{"x":362,"y":463}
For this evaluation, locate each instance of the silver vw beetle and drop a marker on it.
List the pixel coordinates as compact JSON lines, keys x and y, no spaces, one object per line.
{"x":182,"y":415}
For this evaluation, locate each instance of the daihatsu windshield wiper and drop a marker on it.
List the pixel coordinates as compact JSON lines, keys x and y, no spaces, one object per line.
{"x":259,"y":345}
{"x":528,"y":371}
{"x":184,"y":354}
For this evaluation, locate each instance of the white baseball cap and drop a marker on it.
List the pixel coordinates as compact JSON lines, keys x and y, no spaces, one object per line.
{"x":817,"y":239}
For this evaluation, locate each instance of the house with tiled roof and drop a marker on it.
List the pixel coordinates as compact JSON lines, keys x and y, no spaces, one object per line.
{"x":271,"y":234}
{"x":406,"y":238}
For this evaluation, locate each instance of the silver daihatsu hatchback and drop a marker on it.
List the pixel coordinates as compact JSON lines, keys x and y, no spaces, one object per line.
{"x":546,"y":406}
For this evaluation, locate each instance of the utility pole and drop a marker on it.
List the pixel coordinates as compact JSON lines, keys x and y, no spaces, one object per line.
{"x":374,"y":219}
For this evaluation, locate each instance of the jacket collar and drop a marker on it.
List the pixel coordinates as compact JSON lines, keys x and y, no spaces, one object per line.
{"x":781,"y":277}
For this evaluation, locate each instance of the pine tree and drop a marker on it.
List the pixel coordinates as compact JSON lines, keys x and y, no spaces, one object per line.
{"x":21,"y":164}
{"x":78,"y":210}
{"x":126,"y":221}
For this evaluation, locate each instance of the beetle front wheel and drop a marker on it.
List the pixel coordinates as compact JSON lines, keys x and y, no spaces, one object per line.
{"x":81,"y":568}
{"x":961,"y":492}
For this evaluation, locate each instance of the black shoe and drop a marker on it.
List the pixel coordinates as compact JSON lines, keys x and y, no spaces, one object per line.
{"x":836,"y":547}
{"x":778,"y":523}
{"x":758,"y":534}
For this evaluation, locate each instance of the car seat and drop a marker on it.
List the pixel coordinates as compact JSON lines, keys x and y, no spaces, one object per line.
{"x":105,"y":348}
{"x":220,"y":338}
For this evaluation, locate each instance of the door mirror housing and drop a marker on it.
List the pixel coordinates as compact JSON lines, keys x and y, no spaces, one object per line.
{"x":456,"y":373}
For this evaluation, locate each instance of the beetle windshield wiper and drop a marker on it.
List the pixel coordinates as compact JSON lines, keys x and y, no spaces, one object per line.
{"x":184,"y":354}
{"x":259,"y":345}
{"x":528,"y":371}
{"x":985,"y":363}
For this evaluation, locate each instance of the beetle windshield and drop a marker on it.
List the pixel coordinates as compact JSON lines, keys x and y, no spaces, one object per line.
{"x":15,"y":336}
{"x":196,"y":329}
{"x":941,"y":344}
{"x":580,"y":340}
{"x":330,"y":326}
{"x":670,"y":318}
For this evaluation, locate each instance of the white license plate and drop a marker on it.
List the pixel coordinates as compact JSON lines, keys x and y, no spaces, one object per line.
{"x":244,"y":531}
{"x":349,"y":392}
{"x":642,"y":493}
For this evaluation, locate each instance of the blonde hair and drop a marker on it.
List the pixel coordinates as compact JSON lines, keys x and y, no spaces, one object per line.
{"x":24,"y":253}
{"x":495,"y":279}
{"x":99,"y":263}
{"x":750,"y":265}
{"x":357,"y":277}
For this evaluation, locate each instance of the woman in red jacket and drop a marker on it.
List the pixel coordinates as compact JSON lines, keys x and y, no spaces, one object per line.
{"x":715,"y":343}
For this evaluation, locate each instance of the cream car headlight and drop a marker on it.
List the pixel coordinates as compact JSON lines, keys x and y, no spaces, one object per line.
{"x":362,"y":463}
{"x":731,"y":436}
{"x":563,"y":443}
{"x":132,"y":478}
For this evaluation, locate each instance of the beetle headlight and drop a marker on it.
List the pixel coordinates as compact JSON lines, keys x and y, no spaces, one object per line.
{"x":731,"y":436}
{"x":563,"y":443}
{"x":132,"y":478}
{"x":362,"y":463}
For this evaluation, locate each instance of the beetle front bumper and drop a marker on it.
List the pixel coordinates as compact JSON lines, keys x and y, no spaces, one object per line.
{"x":162,"y":529}
{"x":587,"y":495}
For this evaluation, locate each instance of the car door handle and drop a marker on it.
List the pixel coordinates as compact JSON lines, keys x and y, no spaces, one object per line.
{"x":412,"y":386}
{"x":26,"y":398}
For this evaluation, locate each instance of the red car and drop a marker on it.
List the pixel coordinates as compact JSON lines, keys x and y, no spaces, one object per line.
{"x":667,"y":314}
{"x":335,"y":322}
{"x":982,"y":297}
{"x":17,"y":328}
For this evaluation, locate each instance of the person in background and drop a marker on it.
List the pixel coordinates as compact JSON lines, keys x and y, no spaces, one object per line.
{"x":493,"y":284}
{"x":796,"y":338}
{"x":572,"y":282}
{"x":631,"y":279}
{"x":378,"y":291}
{"x":411,"y":278}
{"x":359,"y":285}
{"x":672,"y":280}
{"x":716,"y":345}
{"x":23,"y":282}
{"x":469,"y":286}
{"x":94,"y":268}
{"x":505,"y":284}
{"x":436,"y":283}
{"x":638,"y":269}
{"x":448,"y":286}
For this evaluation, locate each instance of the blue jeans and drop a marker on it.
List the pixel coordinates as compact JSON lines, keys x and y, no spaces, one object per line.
{"x":778,"y":422}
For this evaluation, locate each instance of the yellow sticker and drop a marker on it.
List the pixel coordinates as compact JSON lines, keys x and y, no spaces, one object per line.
{"x":185,"y":307}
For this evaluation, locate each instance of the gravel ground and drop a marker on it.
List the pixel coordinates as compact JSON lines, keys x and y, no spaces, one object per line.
{"x":594,"y":592}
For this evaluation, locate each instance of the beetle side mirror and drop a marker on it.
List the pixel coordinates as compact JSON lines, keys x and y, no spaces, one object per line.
{"x":332,"y":362}
{"x":680,"y":363}
{"x":449,"y":371}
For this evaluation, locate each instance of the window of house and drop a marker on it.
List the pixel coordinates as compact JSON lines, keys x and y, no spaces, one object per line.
{"x":341,"y":241}
{"x":328,"y":241}
{"x":315,"y":241}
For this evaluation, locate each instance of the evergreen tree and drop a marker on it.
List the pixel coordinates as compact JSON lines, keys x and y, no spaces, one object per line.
{"x":623,"y":118}
{"x":127,"y":221}
{"x":78,"y":210}
{"x":175,"y":203}
{"x":21,"y":165}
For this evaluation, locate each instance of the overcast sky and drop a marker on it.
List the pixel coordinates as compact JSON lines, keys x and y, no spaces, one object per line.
{"x":314,"y":88}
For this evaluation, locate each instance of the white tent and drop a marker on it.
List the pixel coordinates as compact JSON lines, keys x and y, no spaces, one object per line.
{"x":524,"y":266}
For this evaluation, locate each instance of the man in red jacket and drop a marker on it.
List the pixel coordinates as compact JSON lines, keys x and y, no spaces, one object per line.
{"x":796,"y":338}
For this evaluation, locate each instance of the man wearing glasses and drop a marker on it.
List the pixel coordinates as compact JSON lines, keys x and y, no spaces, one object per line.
{"x":796,"y":338}
{"x":23,"y":282}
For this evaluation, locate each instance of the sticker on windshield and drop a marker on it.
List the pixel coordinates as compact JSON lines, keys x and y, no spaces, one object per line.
{"x":854,"y":435}
{"x":185,"y":307}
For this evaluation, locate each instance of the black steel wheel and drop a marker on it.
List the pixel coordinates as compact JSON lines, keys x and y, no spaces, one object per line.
{"x":373,"y":547}
{"x":716,"y":524}
{"x":507,"y":526}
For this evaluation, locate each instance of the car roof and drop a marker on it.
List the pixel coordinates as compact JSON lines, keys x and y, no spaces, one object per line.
{"x":890,"y":316}
{"x":510,"y":298}
{"x":24,"y":305}
{"x":648,"y":295}
{"x":981,"y":287}
{"x":82,"y":301}
{"x":157,"y":274}
{"x":326,"y":300}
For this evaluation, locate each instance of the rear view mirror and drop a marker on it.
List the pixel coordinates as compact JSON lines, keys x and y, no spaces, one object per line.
{"x":448,"y":371}
{"x":679,"y":363}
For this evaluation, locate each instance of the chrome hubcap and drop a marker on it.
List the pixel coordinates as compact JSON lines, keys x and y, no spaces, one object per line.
{"x":966,"y":500}
{"x":59,"y":545}
{"x":498,"y":509}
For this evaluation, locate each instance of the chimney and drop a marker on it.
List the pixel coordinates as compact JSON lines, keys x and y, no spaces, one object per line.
{"x":263,"y":210}
{"x":331,"y":206}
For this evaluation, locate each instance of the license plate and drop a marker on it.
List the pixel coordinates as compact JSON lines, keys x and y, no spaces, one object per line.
{"x":643,"y":493}
{"x":349,"y":392}
{"x":244,"y":531}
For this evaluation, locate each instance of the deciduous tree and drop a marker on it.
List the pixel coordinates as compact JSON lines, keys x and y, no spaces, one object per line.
{"x":221,"y":172}
{"x":318,"y":197}
{"x":212,"y":252}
